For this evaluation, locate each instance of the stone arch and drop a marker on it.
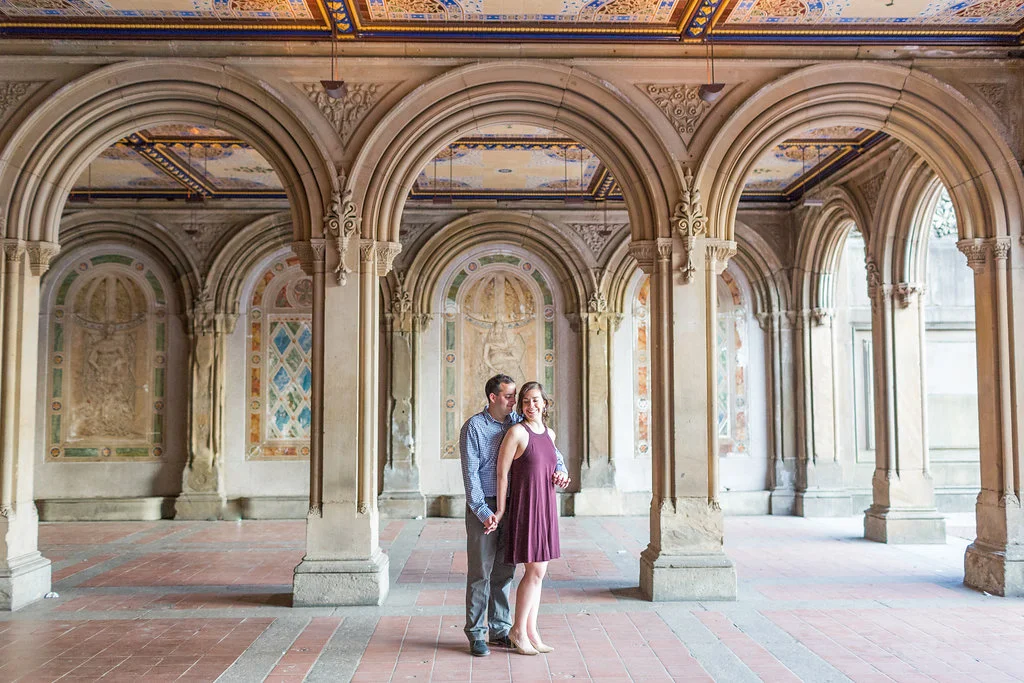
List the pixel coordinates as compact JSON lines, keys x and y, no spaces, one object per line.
{"x":497,"y":227}
{"x":235,"y":262}
{"x":560,"y":97}
{"x":56,"y":142}
{"x":764,"y":271}
{"x":89,"y":228}
{"x":936,"y":121}
{"x":820,"y":249}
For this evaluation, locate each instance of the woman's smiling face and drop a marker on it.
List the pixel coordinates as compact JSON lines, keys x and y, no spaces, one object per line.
{"x":533,"y":404}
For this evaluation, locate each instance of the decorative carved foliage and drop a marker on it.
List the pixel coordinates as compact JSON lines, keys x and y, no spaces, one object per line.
{"x":40,"y":254}
{"x":12,"y":94}
{"x":199,"y":236}
{"x":976,"y":250}
{"x":644,"y":251}
{"x":871,"y":189}
{"x":689,"y":220}
{"x":341,"y":222}
{"x":596,"y":235}
{"x":347,"y":113}
{"x":386,"y":253}
{"x":680,"y":104}
{"x":995,"y":94}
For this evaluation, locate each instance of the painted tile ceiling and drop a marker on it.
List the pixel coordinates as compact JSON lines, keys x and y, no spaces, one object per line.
{"x":906,"y":21}
{"x":794,"y":166}
{"x":179,"y":161}
{"x":512,"y":161}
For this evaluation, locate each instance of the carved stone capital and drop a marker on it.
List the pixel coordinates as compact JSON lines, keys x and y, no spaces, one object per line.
{"x":399,"y":316}
{"x":598,"y":303}
{"x":386,"y":253}
{"x":367,"y":250}
{"x":601,"y":322}
{"x":905,"y":293}
{"x":820,"y":316}
{"x":645,"y":252}
{"x":717,"y":254}
{"x":14,"y":250}
{"x":1000,"y":248}
{"x":318,"y":250}
{"x":40,"y":254}
{"x":976,"y":250}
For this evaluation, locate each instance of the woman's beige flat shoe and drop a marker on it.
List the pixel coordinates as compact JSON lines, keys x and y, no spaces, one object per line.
{"x":523,"y":649}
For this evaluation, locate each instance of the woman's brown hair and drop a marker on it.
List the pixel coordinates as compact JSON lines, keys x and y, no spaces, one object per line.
{"x":528,"y":387}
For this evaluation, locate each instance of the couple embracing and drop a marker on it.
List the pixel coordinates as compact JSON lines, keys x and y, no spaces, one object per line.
{"x":510,"y":468}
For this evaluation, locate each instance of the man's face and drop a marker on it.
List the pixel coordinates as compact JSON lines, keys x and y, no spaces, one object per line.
{"x":505,"y":400}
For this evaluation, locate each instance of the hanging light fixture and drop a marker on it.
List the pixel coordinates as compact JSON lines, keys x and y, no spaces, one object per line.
{"x":334,"y":88}
{"x":710,"y":91}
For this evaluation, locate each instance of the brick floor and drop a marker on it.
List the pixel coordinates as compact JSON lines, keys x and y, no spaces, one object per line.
{"x":195,"y":601}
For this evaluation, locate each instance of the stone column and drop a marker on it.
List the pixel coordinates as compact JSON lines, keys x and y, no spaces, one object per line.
{"x":821,"y":491}
{"x":597,"y":494}
{"x":903,"y":507}
{"x":203,"y":494}
{"x":684,"y":560}
{"x":779,"y":375}
{"x":995,"y":561}
{"x":401,"y":496}
{"x":24,"y":572}
{"x":344,"y":564}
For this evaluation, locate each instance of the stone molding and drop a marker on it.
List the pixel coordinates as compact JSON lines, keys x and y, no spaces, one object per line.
{"x":689,"y":220}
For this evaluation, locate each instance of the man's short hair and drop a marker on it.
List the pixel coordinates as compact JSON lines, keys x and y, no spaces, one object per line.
{"x":494,"y":384}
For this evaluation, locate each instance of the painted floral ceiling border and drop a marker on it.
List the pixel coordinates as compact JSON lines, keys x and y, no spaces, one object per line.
{"x":726,"y":21}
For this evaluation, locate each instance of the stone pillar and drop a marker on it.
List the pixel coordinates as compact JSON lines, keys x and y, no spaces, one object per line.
{"x":903,"y":507}
{"x":344,"y":564}
{"x":779,"y":375}
{"x":685,"y":559}
{"x":995,"y":561}
{"x":597,"y":494}
{"x":203,"y":494}
{"x":24,"y":572}
{"x":821,"y":491}
{"x":401,"y":496}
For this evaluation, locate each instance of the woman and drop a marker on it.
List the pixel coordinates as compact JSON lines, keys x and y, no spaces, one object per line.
{"x":526,"y":462}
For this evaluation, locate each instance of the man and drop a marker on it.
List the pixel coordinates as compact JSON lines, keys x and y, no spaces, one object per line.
{"x":488,"y":578}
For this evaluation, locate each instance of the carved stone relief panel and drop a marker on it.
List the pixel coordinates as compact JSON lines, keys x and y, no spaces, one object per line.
{"x":499,"y":316}
{"x":280,"y":339}
{"x":107,"y":362}
{"x":347,"y":113}
{"x":12,"y":94}
{"x":596,"y":235}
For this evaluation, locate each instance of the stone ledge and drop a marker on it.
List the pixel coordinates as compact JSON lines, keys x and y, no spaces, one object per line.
{"x":143,"y":509}
{"x":705,"y":576}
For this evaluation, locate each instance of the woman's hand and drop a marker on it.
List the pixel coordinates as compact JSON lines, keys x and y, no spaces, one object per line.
{"x":492,"y":522}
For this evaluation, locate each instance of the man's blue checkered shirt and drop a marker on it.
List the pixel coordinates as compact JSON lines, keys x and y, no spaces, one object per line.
{"x":479,"y":443}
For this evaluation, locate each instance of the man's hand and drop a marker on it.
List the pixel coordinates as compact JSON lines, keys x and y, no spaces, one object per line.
{"x":491,"y":524}
{"x":560,"y":479}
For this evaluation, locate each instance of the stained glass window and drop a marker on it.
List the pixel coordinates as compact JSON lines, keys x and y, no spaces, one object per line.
{"x":642,"y":367}
{"x":280,"y":376}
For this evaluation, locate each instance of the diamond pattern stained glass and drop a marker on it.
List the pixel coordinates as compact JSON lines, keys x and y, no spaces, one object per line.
{"x":288,"y":365}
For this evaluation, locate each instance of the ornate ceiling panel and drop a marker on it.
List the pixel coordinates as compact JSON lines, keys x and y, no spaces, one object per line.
{"x":908,"y":21}
{"x":511,"y":161}
{"x":179,"y":161}
{"x":788,"y":170}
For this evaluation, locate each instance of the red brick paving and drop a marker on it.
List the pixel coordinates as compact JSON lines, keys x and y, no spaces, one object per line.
{"x":106,"y":602}
{"x":856,"y":591}
{"x":153,"y":650}
{"x":89,"y":533}
{"x":608,"y":646}
{"x":251,"y":533}
{"x":246,"y":568}
{"x":550,"y":596}
{"x":81,"y":565}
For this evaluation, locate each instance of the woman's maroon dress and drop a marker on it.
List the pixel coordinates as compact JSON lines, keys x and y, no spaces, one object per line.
{"x":532,"y":508}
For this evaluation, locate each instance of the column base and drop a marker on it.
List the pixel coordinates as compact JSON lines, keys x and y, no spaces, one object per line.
{"x":402,"y":505}
{"x":610,"y":501}
{"x":990,"y":570}
{"x":782,"y":502}
{"x":886,"y":525}
{"x":23,"y":581}
{"x":823,"y":503}
{"x":319,"y":583}
{"x":700,"y":576}
{"x":200,"y":506}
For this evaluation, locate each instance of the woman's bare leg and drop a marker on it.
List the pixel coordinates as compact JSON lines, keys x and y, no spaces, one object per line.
{"x":527,"y":602}
{"x":540,"y":570}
